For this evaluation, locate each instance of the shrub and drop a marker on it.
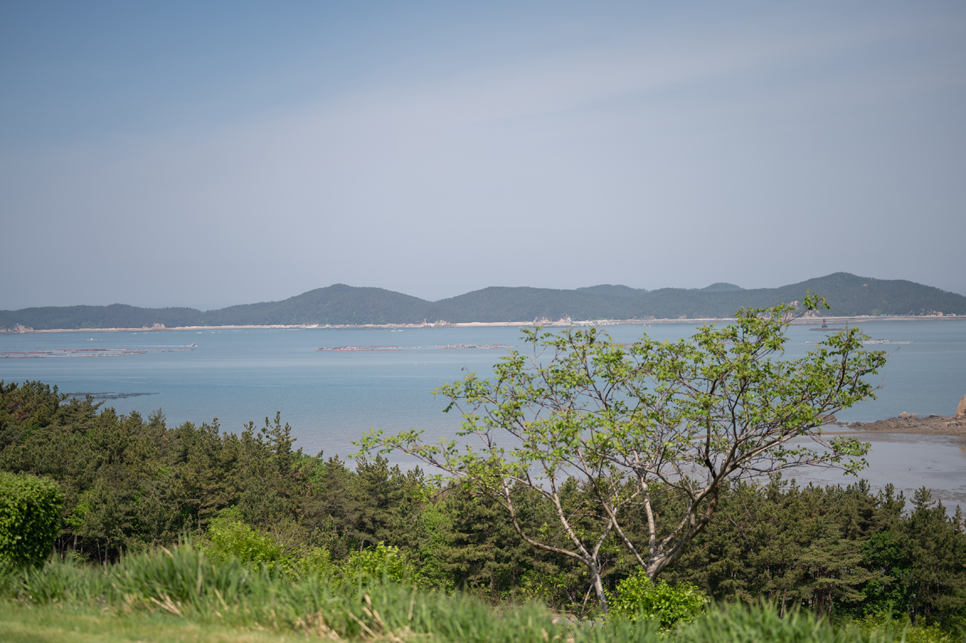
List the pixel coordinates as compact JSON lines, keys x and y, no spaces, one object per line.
{"x":29,"y":518}
{"x":314,"y":560}
{"x":229,"y":537}
{"x":382,"y":564}
{"x":637,"y":598}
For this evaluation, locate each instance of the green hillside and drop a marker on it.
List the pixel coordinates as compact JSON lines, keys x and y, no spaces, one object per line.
{"x":721,"y":286}
{"x":526,"y":304}
{"x":617,"y":291}
{"x":846,"y":294}
{"x":339,"y":304}
{"x":113,"y":316}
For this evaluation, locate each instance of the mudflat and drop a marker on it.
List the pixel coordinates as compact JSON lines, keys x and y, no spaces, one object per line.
{"x":913,"y":424}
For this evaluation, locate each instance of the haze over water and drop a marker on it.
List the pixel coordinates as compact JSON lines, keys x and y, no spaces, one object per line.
{"x":331,"y":398}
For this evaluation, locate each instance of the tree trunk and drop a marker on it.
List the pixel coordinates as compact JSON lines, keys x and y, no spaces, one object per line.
{"x":598,"y":585}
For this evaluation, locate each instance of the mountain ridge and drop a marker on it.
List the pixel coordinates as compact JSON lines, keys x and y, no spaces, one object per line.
{"x":343,"y":305}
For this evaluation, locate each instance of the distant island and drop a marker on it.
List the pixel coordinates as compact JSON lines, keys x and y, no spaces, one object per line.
{"x":340,"y":305}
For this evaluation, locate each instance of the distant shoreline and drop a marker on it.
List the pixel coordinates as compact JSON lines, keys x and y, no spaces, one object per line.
{"x":811,"y":321}
{"x":909,"y":424}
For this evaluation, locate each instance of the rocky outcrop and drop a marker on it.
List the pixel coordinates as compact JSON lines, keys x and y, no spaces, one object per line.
{"x":912,"y":423}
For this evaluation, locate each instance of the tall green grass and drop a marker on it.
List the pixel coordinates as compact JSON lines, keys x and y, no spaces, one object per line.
{"x":186,"y":584}
{"x":757,"y":624}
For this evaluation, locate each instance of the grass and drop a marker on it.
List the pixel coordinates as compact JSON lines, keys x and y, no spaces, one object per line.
{"x":187,"y":587}
{"x":183,"y":595}
{"x":31,"y":624}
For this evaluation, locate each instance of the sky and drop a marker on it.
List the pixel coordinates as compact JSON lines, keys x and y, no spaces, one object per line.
{"x":219,"y":153}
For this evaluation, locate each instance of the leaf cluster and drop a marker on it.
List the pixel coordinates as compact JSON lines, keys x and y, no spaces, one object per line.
{"x":29,"y":518}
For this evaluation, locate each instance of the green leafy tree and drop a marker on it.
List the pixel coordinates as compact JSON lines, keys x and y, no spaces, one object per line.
{"x":647,"y":423}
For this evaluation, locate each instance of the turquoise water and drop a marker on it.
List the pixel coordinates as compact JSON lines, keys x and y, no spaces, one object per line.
{"x":331,"y":398}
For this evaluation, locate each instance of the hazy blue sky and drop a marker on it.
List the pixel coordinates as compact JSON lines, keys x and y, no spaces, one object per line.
{"x":214,"y":153}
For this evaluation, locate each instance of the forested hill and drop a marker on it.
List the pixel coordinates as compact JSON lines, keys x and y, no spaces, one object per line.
{"x":847,"y":294}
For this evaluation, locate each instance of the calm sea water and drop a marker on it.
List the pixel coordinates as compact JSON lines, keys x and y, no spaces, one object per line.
{"x":331,"y":398}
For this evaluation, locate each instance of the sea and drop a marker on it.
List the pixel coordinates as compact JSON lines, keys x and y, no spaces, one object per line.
{"x":332,"y":385}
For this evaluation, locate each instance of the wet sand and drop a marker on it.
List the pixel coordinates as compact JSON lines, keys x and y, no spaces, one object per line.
{"x":909,"y":452}
{"x":912,"y":424}
{"x":908,"y":462}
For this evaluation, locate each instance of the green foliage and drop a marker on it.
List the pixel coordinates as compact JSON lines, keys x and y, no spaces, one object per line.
{"x":183,"y":585}
{"x":645,"y":424}
{"x":380,"y":564}
{"x":933,"y":562}
{"x":436,"y":529}
{"x":313,"y":561}
{"x":29,"y":518}
{"x":130,"y":483}
{"x":473,"y":544}
{"x":639,"y":598}
{"x":789,"y":545}
{"x":229,"y":537}
{"x":256,"y":505}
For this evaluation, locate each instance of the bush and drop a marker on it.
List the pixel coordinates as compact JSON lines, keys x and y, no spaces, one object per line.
{"x":385,"y":563}
{"x":229,"y":537}
{"x":637,"y":598}
{"x":29,"y":518}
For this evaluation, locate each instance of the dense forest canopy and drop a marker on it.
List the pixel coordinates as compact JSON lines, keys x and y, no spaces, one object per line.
{"x":346,"y":305}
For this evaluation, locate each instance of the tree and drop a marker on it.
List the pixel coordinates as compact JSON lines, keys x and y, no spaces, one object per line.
{"x":784,"y":544}
{"x":935,"y":558}
{"x":29,"y":518}
{"x":647,"y":426}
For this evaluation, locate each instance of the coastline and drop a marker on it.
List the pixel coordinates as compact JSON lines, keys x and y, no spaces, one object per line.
{"x":563,"y":323}
{"x":911,"y":424}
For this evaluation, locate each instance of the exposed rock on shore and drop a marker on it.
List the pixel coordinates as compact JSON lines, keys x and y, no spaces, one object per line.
{"x":912,"y":423}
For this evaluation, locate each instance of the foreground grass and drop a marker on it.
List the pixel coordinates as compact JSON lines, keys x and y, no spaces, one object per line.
{"x":186,"y":587}
{"x":30,"y":624}
{"x":20,"y":623}
{"x":185,"y":596}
